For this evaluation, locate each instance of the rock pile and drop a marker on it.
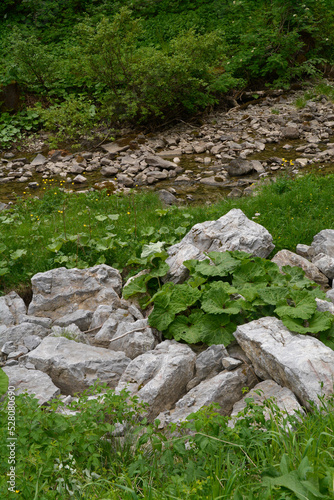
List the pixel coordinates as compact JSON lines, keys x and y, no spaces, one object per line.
{"x":78,"y":329}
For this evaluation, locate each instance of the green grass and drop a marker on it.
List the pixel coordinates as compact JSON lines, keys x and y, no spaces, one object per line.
{"x":75,"y":230}
{"x":322,"y":89}
{"x":63,"y":457}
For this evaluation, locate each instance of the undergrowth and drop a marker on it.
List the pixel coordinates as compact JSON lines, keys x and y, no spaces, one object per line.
{"x":104,"y":450}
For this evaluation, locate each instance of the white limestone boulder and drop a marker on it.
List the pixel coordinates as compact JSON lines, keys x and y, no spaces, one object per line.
{"x":323,"y":242}
{"x":11,"y":307}
{"x":281,"y":397}
{"x":208,"y":364}
{"x":224,"y":389}
{"x":233,"y":231}
{"x":325,"y":264}
{"x":134,"y":338}
{"x":74,"y":366}
{"x":17,"y":333}
{"x":34,"y":382}
{"x":301,"y":363}
{"x":159,"y":377}
{"x":63,"y":291}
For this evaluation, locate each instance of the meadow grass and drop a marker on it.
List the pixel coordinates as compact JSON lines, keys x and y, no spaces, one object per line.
{"x":81,"y":230}
{"x":77,"y":456}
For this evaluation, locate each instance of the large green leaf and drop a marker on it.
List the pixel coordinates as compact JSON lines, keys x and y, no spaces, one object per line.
{"x":182,"y":297}
{"x":217,"y":300}
{"x":152,"y":249}
{"x":3,"y":382}
{"x":295,"y":276}
{"x":250,"y":272}
{"x":217,"y":329}
{"x":319,"y":322}
{"x":299,"y":305}
{"x":272,"y":295}
{"x":223,"y":262}
{"x":160,"y":318}
{"x":137,"y":285}
{"x":183,"y":329}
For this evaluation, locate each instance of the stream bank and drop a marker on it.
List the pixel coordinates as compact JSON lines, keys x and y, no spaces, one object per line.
{"x":227,"y":156}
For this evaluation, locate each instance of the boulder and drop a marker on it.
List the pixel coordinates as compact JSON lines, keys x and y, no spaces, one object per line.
{"x":71,"y":332}
{"x":323,"y":242}
{"x":109,"y":327}
{"x":34,"y":382}
{"x":167,"y":198}
{"x":290,"y":133}
{"x":81,"y":318}
{"x":133,"y":338}
{"x":208,"y":364}
{"x":159,"y":377}
{"x":63,"y":291}
{"x":224,"y":389}
{"x":233,"y":231}
{"x":325,"y":264}
{"x":280,"y":396}
{"x":11,"y":307}
{"x":38,"y":160}
{"x":109,"y":171}
{"x":74,"y":366}
{"x":301,"y":363}
{"x":287,"y":258}
{"x":17,"y":333}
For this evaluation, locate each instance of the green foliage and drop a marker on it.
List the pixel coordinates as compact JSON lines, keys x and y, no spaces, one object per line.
{"x":3,"y":382}
{"x":13,"y":127}
{"x":70,"y":119}
{"x":145,"y":82}
{"x":232,"y":288}
{"x":105,"y":449}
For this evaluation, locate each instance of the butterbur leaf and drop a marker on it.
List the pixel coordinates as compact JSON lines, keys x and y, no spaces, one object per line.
{"x":300,"y":305}
{"x":217,"y":301}
{"x":55,"y":246}
{"x":319,"y":322}
{"x":182,"y":329}
{"x":137,"y":285}
{"x":272,"y":295}
{"x":3,"y":382}
{"x":160,"y":318}
{"x":182,"y":297}
{"x":152,"y":248}
{"x":18,"y":254}
{"x":296,"y":276}
{"x":216,"y":329}
{"x":224,"y":264}
{"x":160,"y":271}
{"x":251,"y":272}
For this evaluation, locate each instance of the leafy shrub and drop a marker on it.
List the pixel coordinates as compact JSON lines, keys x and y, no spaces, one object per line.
{"x":12,"y":127}
{"x":70,"y":119}
{"x":232,"y":288}
{"x":144,"y":82}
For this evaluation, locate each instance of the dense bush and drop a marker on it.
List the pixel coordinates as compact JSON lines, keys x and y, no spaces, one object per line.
{"x":163,"y":58}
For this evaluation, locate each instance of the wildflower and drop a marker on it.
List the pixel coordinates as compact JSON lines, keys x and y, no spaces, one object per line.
{"x":128,"y":213}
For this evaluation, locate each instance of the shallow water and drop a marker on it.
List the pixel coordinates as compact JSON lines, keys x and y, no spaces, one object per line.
{"x":191,"y":191}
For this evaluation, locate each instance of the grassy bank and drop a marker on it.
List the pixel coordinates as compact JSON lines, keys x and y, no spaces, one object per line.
{"x":63,"y":457}
{"x":86,"y":229}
